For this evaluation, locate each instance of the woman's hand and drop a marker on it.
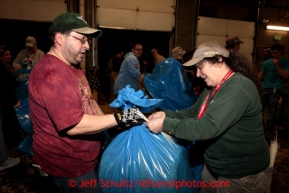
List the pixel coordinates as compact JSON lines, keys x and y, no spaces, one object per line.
{"x":155,"y":123}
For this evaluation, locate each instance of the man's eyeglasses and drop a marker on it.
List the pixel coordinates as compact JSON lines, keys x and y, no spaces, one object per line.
{"x":82,"y":40}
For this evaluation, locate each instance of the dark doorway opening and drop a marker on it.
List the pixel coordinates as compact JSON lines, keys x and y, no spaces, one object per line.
{"x":14,"y":33}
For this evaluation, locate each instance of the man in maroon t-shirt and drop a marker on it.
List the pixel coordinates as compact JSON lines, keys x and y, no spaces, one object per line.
{"x":67,"y":121}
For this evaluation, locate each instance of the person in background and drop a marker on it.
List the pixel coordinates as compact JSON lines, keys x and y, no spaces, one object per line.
{"x":144,"y":67}
{"x":156,"y":56}
{"x":67,"y":121}
{"x":114,"y":65}
{"x":28,"y":57}
{"x":5,"y":57}
{"x":5,"y":160}
{"x":177,"y":53}
{"x":2,"y":45}
{"x":9,"y":79}
{"x":274,"y":70}
{"x":233,"y":43}
{"x":129,"y":73}
{"x":283,"y":111}
{"x":7,"y":101}
{"x":198,"y":83}
{"x":227,"y":118}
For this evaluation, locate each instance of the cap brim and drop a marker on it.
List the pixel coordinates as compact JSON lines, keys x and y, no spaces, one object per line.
{"x":89,"y":31}
{"x":189,"y":68}
{"x":192,"y":62}
{"x":241,"y":42}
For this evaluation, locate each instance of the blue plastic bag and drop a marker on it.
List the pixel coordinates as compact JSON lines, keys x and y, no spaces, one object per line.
{"x":22,"y":87}
{"x":167,"y":82}
{"x":22,"y":90}
{"x":140,"y":161}
{"x":127,"y":98}
{"x":25,"y":145}
{"x":23,"y":116}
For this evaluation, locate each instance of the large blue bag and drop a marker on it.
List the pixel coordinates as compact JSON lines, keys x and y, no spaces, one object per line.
{"x":167,"y":82}
{"x":140,"y":161}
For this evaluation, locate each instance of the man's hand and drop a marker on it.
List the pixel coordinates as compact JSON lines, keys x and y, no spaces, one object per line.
{"x":17,"y":67}
{"x":18,"y":104}
{"x":128,"y":117}
{"x":283,"y":73}
{"x":275,"y":61}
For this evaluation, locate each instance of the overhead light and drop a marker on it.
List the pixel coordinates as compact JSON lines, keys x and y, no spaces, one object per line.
{"x":274,"y":27}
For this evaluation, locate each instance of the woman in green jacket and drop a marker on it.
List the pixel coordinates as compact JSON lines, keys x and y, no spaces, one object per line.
{"x":227,"y":119}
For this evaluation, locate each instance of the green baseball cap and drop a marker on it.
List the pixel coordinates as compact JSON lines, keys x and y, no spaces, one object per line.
{"x":75,"y":22}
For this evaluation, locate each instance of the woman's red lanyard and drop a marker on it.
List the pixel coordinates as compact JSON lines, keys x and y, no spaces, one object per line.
{"x":212,"y":94}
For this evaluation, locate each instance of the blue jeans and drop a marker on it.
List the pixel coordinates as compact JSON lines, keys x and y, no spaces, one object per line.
{"x":3,"y":149}
{"x":270,"y":98}
{"x":87,"y":183}
{"x":283,"y":112}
